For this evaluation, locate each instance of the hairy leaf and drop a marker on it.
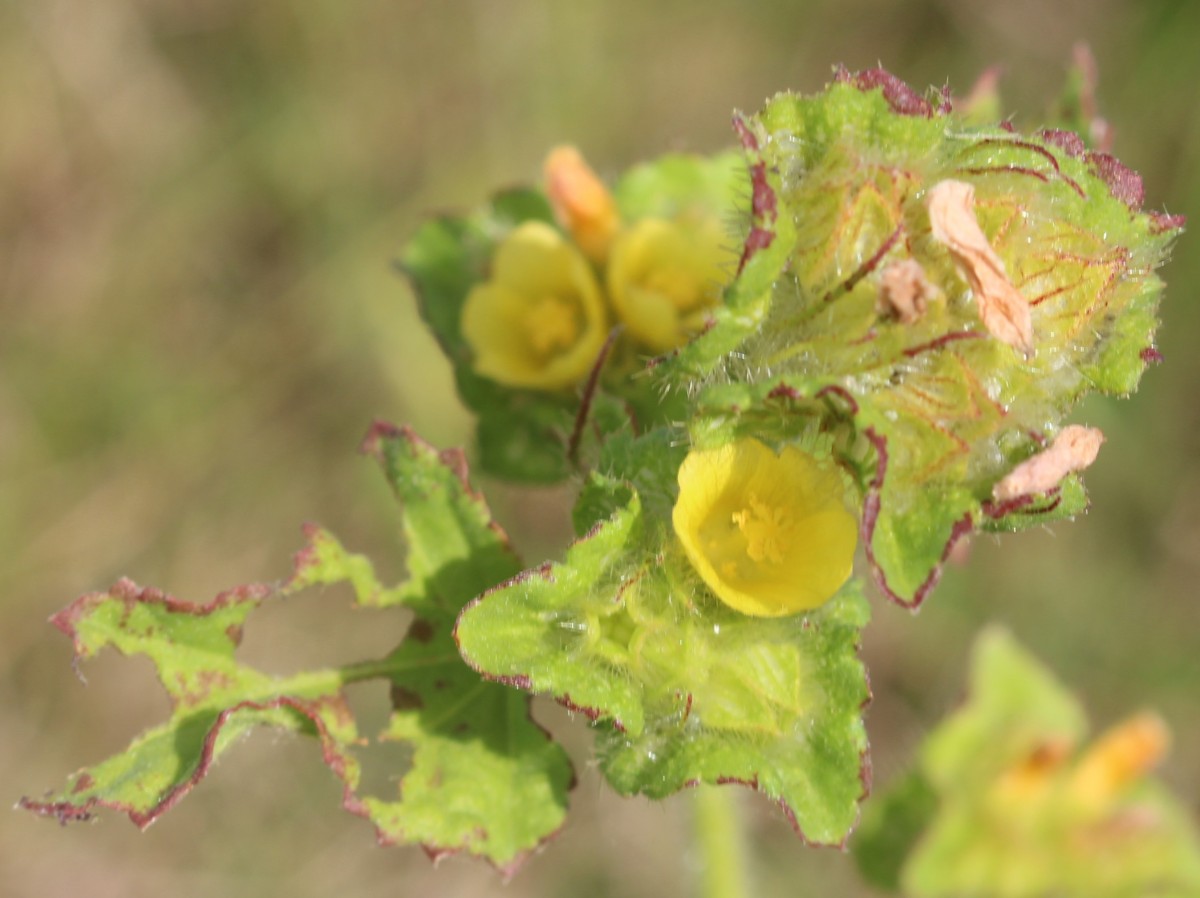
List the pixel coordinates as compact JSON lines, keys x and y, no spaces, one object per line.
{"x":684,"y":689}
{"x":483,"y":777}
{"x":936,"y":409}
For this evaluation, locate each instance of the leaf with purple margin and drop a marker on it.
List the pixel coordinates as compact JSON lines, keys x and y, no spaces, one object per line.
{"x":684,"y":689}
{"x":215,"y":700}
{"x":483,"y":777}
{"x":939,"y":410}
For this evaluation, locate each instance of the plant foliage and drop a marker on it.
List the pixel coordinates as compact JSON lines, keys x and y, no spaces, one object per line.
{"x":875,"y":320}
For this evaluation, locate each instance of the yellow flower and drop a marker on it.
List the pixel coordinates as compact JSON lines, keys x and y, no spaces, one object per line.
{"x":539,"y":322}
{"x":582,"y":204}
{"x":769,"y":534}
{"x":663,"y":276}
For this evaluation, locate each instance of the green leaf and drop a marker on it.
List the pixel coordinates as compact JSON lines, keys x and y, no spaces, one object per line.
{"x":890,"y":828}
{"x":483,"y":777}
{"x":684,"y":689}
{"x":215,"y":700}
{"x":939,"y":410}
{"x":1003,"y":803}
{"x":679,"y":185}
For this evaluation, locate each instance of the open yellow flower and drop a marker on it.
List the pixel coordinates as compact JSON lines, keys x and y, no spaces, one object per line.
{"x":540,"y":321}
{"x":769,"y":534}
{"x":663,"y":276}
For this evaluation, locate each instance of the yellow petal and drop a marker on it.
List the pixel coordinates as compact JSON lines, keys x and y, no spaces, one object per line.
{"x":768,"y":533}
{"x":1120,"y":757}
{"x":662,"y":275}
{"x":540,"y":321}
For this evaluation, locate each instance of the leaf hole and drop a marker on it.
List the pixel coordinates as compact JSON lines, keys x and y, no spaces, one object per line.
{"x":319,"y":627}
{"x":384,"y":762}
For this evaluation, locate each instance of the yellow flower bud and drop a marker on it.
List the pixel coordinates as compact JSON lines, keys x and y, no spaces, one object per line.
{"x":540,"y":321}
{"x":769,"y":534}
{"x":664,"y":276}
{"x":582,"y":204}
{"x":1122,"y":756}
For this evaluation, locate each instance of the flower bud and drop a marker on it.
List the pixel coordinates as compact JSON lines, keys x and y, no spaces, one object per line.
{"x":582,"y":204}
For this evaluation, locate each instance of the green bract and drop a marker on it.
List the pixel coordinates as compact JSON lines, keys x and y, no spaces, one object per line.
{"x":996,"y":806}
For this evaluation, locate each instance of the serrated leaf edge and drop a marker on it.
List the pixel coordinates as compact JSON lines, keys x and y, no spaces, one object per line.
{"x":454,"y":459}
{"x":68,"y":812}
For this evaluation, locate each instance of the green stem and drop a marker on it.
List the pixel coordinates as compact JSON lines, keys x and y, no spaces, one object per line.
{"x":330,"y":679}
{"x":721,"y":843}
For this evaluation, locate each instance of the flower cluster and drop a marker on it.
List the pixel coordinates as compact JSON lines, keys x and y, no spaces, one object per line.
{"x":541,"y":319}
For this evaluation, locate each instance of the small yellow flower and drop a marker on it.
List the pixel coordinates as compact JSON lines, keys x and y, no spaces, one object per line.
{"x":582,"y":204}
{"x":769,"y":534}
{"x":540,"y":321}
{"x":663,"y":277}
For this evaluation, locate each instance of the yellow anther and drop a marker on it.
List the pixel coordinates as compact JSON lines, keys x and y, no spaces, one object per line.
{"x":768,"y":530}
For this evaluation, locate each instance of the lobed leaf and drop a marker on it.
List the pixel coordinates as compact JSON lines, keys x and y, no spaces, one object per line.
{"x":214,"y":699}
{"x":684,"y":690}
{"x":483,"y":777}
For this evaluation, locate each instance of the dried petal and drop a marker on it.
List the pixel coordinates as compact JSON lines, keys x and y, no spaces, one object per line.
{"x":1003,"y":309}
{"x":905,"y":291}
{"x":1074,"y":449}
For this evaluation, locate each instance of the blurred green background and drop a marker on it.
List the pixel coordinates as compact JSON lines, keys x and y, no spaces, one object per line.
{"x":199,"y":202}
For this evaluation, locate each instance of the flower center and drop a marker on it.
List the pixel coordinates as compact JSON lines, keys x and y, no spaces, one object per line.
{"x":768,"y":530}
{"x":552,"y":324}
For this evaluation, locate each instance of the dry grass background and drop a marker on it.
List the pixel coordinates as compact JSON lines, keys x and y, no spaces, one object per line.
{"x":199,"y":200}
